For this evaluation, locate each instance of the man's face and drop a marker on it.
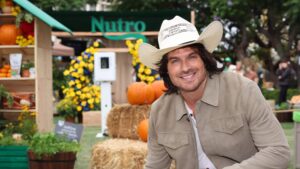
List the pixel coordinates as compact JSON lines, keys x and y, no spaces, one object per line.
{"x":284,"y":64}
{"x":186,"y":69}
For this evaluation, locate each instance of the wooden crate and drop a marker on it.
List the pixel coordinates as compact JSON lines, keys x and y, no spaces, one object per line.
{"x":91,"y":118}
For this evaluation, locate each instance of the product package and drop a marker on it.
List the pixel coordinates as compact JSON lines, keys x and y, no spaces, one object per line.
{"x":15,"y":63}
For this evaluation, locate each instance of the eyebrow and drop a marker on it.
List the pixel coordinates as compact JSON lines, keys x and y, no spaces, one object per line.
{"x":174,"y":57}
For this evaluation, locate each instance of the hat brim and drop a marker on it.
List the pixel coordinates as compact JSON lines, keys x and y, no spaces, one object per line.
{"x":210,"y":38}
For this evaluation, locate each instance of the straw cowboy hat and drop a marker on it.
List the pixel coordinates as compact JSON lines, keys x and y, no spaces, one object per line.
{"x":177,"y":33}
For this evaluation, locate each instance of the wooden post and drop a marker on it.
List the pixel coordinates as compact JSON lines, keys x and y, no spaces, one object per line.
{"x":193,"y":18}
{"x":43,"y":84}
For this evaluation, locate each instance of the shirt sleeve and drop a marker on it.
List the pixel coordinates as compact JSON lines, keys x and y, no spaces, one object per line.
{"x":157,"y":157}
{"x":267,"y":134}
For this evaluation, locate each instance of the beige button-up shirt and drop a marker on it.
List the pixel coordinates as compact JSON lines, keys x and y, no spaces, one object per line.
{"x":237,"y":129}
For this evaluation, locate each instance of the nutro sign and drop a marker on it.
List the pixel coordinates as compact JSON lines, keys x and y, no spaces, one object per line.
{"x":119,"y":25}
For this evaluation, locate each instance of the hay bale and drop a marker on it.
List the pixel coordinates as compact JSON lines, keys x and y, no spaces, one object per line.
{"x":122,"y":120}
{"x":120,"y":154}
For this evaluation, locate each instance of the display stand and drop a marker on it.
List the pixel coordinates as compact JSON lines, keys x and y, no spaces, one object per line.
{"x":41,"y":55}
{"x":104,"y":73}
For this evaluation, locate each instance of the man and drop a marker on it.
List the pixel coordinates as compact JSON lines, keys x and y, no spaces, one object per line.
{"x":207,"y":118}
{"x":228,"y":65}
{"x":285,"y":74}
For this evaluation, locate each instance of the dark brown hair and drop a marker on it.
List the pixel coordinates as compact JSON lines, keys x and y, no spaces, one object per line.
{"x":209,"y":60}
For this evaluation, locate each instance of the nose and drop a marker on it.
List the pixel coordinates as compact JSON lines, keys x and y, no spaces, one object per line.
{"x":185,"y":66}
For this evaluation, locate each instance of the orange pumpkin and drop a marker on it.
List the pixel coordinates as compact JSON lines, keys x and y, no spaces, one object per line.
{"x":2,"y":74}
{"x":140,"y":93}
{"x":159,"y":88}
{"x":6,"y":66}
{"x":8,"y":34}
{"x":142,"y":130}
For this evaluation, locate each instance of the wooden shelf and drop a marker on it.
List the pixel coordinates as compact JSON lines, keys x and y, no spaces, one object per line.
{"x":15,"y":47}
{"x":6,"y":15}
{"x":7,"y":19}
{"x":5,"y":50}
{"x":11,"y":78}
{"x":14,"y":110}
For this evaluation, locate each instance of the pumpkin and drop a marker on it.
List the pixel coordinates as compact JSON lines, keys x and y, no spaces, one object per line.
{"x":8,"y":34}
{"x":142,"y":130}
{"x":140,"y":93}
{"x":159,"y":88}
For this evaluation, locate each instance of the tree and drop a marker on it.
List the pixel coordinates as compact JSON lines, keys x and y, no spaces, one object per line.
{"x":269,"y":24}
{"x":62,"y":4}
{"x":149,"y":5}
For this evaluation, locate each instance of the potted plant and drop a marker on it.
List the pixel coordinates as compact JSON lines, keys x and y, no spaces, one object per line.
{"x":14,"y":139}
{"x":50,"y":151}
{"x":13,"y":151}
{"x":25,"y":68}
{"x":25,"y":21}
{"x":5,"y":95}
{"x":67,"y":109}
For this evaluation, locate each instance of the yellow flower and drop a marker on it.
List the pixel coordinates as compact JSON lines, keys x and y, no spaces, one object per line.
{"x":96,"y":44}
{"x":82,"y":96}
{"x":82,"y":78}
{"x":33,"y":114}
{"x":148,"y":71}
{"x":79,"y":86}
{"x":92,"y":106}
{"x":80,"y":71}
{"x":66,"y":72}
{"x":71,"y":83}
{"x":85,"y":89}
{"x":91,"y":101}
{"x":91,"y":66}
{"x":141,"y":69}
{"x":82,"y":64}
{"x":88,"y":95}
{"x":79,"y":58}
{"x":83,"y":103}
{"x":72,"y":94}
{"x":75,"y":74}
{"x":79,"y":108}
{"x":76,"y":65}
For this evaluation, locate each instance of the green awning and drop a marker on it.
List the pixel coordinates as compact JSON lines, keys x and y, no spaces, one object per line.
{"x":37,"y":12}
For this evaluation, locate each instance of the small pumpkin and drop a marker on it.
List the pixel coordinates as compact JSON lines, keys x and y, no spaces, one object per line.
{"x":139,"y":93}
{"x":8,"y":34}
{"x":159,"y":88}
{"x":142,"y":130}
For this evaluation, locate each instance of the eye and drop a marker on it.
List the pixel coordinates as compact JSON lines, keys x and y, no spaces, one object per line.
{"x":173,"y":60}
{"x":194,"y":56}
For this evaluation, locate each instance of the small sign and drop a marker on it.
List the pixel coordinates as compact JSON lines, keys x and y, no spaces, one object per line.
{"x":71,"y":130}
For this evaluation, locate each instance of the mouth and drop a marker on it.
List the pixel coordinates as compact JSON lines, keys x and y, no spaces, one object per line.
{"x":188,"y":77}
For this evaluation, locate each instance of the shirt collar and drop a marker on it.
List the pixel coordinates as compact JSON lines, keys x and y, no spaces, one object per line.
{"x":210,"y":96}
{"x":212,"y":89}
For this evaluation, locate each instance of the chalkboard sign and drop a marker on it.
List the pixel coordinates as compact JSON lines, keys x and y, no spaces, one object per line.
{"x":71,"y":130}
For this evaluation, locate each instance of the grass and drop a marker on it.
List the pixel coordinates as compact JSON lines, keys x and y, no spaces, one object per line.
{"x":88,"y":140}
{"x":290,"y":134}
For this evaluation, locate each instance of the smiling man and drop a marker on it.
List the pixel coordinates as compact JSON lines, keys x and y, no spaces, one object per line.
{"x":208,"y":119}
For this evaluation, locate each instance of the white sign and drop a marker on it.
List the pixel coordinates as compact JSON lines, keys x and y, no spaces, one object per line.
{"x":105,"y":66}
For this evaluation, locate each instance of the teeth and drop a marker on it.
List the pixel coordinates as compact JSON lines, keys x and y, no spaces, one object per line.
{"x":187,"y":76}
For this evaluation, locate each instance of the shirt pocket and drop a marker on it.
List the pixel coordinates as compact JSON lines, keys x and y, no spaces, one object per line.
{"x":173,"y":140}
{"x":228,"y":125}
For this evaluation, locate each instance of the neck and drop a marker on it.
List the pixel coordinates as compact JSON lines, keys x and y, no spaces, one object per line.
{"x":191,"y":97}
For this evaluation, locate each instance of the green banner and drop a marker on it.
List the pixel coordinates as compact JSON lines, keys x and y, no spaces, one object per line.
{"x":82,"y":21}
